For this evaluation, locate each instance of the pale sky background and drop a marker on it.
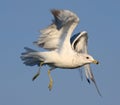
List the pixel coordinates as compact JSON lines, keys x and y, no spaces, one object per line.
{"x":20,"y":22}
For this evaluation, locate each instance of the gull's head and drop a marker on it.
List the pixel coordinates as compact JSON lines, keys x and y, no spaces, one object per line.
{"x":89,"y":59}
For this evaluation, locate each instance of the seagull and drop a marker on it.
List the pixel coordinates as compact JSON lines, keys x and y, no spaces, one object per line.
{"x":62,"y":50}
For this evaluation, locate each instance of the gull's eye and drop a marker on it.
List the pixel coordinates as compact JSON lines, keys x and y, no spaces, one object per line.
{"x":87,"y":57}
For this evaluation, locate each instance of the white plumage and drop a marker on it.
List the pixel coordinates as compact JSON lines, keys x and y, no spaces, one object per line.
{"x":62,"y":50}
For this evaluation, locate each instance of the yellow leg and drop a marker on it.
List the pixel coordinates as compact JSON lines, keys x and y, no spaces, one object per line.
{"x":38,"y":73}
{"x":51,"y":81}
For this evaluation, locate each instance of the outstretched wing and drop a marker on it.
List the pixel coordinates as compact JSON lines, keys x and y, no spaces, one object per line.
{"x":79,"y":44}
{"x":51,"y":36}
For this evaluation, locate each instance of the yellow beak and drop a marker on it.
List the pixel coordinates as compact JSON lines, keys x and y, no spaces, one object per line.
{"x":95,"y":62}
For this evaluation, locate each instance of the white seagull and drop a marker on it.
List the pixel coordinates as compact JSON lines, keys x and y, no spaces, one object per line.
{"x":62,"y":50}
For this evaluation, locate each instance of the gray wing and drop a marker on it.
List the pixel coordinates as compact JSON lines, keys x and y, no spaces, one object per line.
{"x":51,"y":36}
{"x":79,"y":44}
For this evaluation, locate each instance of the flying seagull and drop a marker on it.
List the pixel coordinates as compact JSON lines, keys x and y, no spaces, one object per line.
{"x":62,"y":50}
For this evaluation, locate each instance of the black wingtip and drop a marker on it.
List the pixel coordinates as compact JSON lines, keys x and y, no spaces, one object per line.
{"x":88,"y":80}
{"x":93,"y":80}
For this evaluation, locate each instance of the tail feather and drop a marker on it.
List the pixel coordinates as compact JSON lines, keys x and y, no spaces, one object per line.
{"x":31,"y":62}
{"x":30,"y":57}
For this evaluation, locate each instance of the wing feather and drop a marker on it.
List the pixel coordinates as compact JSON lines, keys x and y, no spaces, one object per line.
{"x":79,"y":42}
{"x":51,"y":36}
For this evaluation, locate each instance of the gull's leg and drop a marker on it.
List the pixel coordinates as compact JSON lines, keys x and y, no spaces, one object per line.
{"x":51,"y":80}
{"x":38,"y":73}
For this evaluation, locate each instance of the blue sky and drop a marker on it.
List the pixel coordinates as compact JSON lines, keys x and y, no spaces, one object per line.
{"x":20,"y":22}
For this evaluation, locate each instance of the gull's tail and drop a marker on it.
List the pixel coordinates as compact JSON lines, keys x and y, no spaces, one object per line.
{"x":31,"y":57}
